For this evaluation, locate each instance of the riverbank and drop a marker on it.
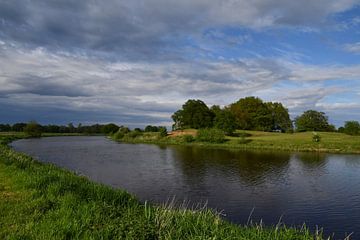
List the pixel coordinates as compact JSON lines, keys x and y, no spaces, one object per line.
{"x":44,"y":201}
{"x":255,"y":140}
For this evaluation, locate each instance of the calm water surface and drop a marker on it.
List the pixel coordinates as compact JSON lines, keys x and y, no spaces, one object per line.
{"x":319,"y":189}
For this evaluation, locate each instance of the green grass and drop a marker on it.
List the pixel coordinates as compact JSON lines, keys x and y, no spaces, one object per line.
{"x":42,"y":201}
{"x":296,"y":142}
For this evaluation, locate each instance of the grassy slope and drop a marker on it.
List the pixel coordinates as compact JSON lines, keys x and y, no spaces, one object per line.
{"x":330,"y":142}
{"x":42,"y":201}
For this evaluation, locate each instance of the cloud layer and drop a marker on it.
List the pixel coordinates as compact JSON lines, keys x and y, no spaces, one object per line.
{"x":136,"y":62}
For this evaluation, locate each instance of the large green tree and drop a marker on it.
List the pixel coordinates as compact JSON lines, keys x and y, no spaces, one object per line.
{"x":224,"y":120}
{"x":109,"y":128}
{"x":280,"y":116}
{"x":352,"y":128}
{"x":193,"y":114}
{"x":312,"y":120}
{"x":252,"y":113}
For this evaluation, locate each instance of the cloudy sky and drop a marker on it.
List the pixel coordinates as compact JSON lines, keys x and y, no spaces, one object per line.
{"x":136,"y":62}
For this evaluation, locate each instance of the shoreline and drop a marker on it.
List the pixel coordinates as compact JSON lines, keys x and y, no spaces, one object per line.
{"x":229,"y":145}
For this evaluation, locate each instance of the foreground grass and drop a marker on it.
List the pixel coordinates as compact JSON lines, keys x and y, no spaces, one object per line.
{"x":298,"y":142}
{"x":42,"y":201}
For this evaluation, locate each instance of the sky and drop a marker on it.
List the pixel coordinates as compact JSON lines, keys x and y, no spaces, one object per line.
{"x":136,"y":62}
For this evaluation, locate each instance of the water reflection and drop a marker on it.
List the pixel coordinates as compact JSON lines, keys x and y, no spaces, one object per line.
{"x":250,"y":167}
{"x":312,"y":160}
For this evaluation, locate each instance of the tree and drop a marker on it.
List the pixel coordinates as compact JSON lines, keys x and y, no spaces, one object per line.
{"x":5,"y":128}
{"x":225,"y":121}
{"x":33,"y":129}
{"x":352,"y":128}
{"x":163,"y":131}
{"x":312,"y":120}
{"x":18,"y":127}
{"x":109,"y":128}
{"x":150,"y":128}
{"x":280,"y":116}
{"x":194,"y":114}
{"x":252,"y":113}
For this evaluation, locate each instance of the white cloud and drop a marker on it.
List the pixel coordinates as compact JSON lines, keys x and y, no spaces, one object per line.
{"x":353,"y":47}
{"x":43,"y":79}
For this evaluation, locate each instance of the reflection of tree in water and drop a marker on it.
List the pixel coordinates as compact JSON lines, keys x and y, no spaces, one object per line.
{"x":250,"y":167}
{"x":314,"y":161}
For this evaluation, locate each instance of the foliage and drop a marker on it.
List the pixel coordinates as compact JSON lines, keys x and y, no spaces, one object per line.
{"x":33,"y":129}
{"x":312,"y":120}
{"x":316,"y":137}
{"x":225,"y":121}
{"x":109,"y":128}
{"x":352,"y":128}
{"x":163,"y":131}
{"x":150,"y":128}
{"x":188,"y":138}
{"x":211,"y":135}
{"x":194,"y":114}
{"x":18,"y":127}
{"x":121,"y":133}
{"x":133,"y":134}
{"x":5,"y":128}
{"x":280,"y":117}
{"x":252,"y":113}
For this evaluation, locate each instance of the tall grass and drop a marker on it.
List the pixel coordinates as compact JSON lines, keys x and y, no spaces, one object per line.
{"x":42,"y":201}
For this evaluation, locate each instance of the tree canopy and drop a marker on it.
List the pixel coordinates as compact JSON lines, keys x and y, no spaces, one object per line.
{"x":312,"y":120}
{"x":252,"y":113}
{"x":352,"y":128}
{"x":225,"y":120}
{"x":193,"y":114}
{"x":33,"y":129}
{"x":249,"y":113}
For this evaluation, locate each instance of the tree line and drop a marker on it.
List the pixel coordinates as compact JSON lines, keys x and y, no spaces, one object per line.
{"x":252,"y":113}
{"x":69,"y":128}
{"x":35,"y":129}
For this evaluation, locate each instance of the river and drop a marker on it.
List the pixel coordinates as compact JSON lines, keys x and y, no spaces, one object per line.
{"x":317,"y":189}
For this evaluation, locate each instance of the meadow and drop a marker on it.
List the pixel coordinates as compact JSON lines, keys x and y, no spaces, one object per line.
{"x":42,"y":201}
{"x":331,"y":142}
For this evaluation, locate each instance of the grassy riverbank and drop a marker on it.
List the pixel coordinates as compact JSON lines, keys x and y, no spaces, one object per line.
{"x":254,"y":140}
{"x":42,"y":201}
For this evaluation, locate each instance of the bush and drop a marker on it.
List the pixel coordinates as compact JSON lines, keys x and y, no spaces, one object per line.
{"x":212,"y":135}
{"x":163,"y":131}
{"x":133,"y":134}
{"x":33,"y":129}
{"x":188,"y":138}
{"x":316,"y":137}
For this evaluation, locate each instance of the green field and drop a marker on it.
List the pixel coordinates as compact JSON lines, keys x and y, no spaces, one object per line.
{"x":42,"y":201}
{"x":255,"y":140}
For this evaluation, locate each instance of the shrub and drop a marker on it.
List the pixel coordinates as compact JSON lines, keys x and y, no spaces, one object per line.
{"x":33,"y":129}
{"x":188,"y":138}
{"x":212,"y":135}
{"x":163,"y":131}
{"x":133,"y":134}
{"x":118,"y":135}
{"x":316,"y":137}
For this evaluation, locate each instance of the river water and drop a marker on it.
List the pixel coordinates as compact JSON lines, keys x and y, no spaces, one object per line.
{"x":321,"y":190}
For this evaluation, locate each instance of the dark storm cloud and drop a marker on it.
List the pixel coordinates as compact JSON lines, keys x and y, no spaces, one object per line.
{"x":46,"y":86}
